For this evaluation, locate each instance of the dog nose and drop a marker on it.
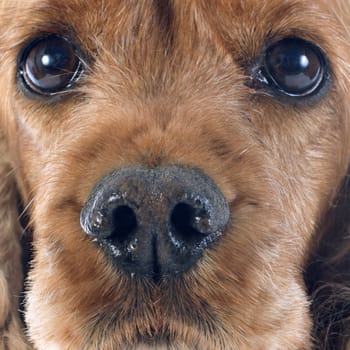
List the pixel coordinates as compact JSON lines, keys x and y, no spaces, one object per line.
{"x":155,"y":222}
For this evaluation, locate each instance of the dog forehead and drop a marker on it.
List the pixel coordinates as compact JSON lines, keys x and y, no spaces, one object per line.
{"x":116,"y":16}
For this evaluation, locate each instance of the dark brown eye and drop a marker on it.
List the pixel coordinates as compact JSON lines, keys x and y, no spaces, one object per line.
{"x":295,"y":67}
{"x":49,"y":65}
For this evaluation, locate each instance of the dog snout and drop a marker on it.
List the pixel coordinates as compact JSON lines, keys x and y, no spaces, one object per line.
{"x":155,"y":222}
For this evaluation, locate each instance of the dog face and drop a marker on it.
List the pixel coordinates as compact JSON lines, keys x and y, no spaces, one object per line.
{"x":177,"y":159}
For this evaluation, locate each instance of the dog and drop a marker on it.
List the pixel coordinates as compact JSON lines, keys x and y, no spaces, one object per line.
{"x":182,"y":169}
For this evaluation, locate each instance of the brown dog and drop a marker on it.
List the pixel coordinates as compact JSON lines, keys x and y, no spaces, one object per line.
{"x":181,"y":164}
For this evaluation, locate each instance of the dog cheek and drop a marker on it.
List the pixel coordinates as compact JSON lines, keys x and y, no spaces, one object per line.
{"x":49,"y":299}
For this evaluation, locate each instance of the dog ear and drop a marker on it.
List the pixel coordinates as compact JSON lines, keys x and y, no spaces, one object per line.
{"x":11,"y":280}
{"x":328,"y":276}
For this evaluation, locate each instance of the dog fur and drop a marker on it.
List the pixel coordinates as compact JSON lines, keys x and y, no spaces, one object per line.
{"x":169,"y":82}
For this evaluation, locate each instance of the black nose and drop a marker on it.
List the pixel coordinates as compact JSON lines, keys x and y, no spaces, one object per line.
{"x":155,"y":222}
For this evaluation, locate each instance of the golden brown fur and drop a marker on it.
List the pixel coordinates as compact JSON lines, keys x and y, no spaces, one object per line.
{"x":167,"y":83}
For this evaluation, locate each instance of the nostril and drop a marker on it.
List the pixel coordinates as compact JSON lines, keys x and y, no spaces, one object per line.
{"x":187,"y":222}
{"x":124,"y":222}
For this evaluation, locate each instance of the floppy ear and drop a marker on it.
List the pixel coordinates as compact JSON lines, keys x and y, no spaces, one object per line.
{"x":328,"y":276}
{"x":11,"y":280}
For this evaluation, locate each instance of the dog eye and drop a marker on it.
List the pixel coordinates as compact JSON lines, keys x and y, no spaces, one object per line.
{"x":294,"y":66}
{"x":49,"y":65}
